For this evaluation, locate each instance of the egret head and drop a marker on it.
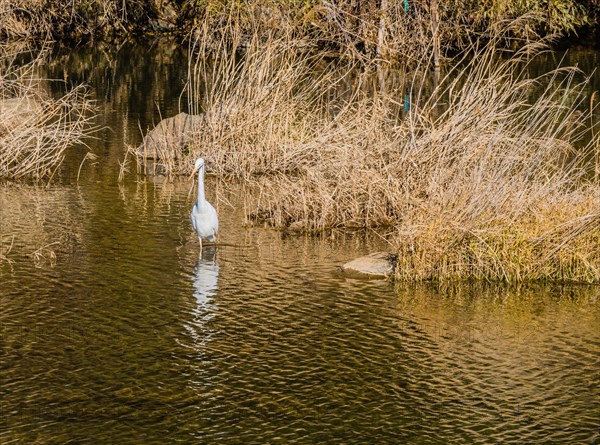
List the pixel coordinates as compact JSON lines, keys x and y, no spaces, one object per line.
{"x":199,"y":164}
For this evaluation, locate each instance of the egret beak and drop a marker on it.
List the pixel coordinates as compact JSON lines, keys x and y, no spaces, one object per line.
{"x":193,"y":173}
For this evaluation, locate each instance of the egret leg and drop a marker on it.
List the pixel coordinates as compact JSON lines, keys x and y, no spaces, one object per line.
{"x":200,"y":240}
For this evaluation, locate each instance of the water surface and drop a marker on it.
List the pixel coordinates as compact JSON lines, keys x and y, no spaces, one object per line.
{"x":118,"y":331}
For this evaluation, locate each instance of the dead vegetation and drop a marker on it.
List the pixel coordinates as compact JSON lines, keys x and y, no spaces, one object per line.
{"x":75,"y":19}
{"x":391,"y":28}
{"x":480,"y":179}
{"x":35,"y":128}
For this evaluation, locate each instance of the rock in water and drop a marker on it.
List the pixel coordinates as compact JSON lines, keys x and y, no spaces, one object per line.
{"x":168,"y":139}
{"x":374,"y":265}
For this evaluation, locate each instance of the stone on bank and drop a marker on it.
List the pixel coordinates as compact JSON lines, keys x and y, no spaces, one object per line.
{"x":374,"y":265}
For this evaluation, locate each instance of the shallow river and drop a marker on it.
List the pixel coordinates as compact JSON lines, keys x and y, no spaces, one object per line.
{"x":114,"y":330}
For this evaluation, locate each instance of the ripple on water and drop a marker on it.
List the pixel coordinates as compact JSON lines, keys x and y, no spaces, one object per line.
{"x":133,"y":337}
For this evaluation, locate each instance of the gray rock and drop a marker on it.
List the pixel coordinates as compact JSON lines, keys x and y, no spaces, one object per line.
{"x":169,"y":138}
{"x":374,"y":265}
{"x":297,"y":227}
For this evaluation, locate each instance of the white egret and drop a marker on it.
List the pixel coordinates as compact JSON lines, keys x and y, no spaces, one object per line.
{"x":204,"y":216}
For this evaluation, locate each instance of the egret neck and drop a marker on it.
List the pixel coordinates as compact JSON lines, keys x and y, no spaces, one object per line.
{"x":201,"y":198}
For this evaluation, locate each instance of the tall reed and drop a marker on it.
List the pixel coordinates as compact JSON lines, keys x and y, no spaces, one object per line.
{"x":263,"y":107}
{"x":394,"y":30}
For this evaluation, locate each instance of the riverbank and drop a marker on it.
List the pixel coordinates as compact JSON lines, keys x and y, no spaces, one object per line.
{"x":392,"y":30}
{"x":479,"y":172}
{"x":475,"y":175}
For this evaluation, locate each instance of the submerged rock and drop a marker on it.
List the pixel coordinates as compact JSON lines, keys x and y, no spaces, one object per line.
{"x":169,"y":138}
{"x":374,"y":265}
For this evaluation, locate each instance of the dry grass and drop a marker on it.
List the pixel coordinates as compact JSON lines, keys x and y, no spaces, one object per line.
{"x":35,"y":128}
{"x":480,"y":180}
{"x":366,"y":30}
{"x":258,"y":119}
{"x":23,"y":19}
{"x":389,"y":30}
{"x":263,"y":112}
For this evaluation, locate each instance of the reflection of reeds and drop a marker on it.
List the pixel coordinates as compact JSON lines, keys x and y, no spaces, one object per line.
{"x":39,"y":223}
{"x":124,"y":166}
{"x":36,"y":129}
{"x":6,"y":244}
{"x":506,"y":317}
{"x":45,"y":255}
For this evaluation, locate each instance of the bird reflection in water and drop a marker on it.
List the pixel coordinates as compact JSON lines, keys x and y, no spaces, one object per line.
{"x":206,"y":274}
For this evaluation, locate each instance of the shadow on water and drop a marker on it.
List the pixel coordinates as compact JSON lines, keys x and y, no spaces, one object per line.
{"x":131,"y":336}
